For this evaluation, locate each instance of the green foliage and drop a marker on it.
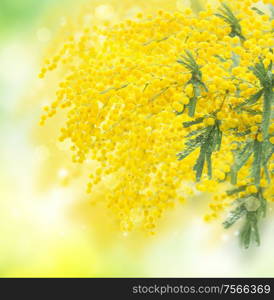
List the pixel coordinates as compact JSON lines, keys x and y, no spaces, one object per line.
{"x":234,"y":216}
{"x":260,"y":160}
{"x":261,"y":152}
{"x":251,"y":208}
{"x":236,"y":190}
{"x":196,"y":81}
{"x":251,"y":100}
{"x":266,"y":155}
{"x":197,"y":121}
{"x":227,"y":15}
{"x":241,"y":156}
{"x":265,"y":76}
{"x":257,"y":162}
{"x":250,"y":230}
{"x":258,"y":11}
{"x":209,"y":140}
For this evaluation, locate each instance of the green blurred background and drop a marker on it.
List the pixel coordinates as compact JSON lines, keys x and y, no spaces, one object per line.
{"x":44,"y":232}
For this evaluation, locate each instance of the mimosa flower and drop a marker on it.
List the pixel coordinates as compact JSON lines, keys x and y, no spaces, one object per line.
{"x":171,"y":98}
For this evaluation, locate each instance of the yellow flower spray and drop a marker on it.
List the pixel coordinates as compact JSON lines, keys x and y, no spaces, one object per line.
{"x":169,"y":103}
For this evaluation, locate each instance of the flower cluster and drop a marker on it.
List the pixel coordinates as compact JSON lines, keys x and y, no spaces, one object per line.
{"x":171,"y":103}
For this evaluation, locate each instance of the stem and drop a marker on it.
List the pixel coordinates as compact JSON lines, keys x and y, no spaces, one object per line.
{"x":268,"y":96}
{"x":257,"y":162}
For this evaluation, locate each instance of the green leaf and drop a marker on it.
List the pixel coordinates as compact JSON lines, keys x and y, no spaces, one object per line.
{"x":196,"y":141}
{"x":220,"y":58}
{"x":268,"y":98}
{"x":268,"y":150}
{"x":205,"y":153}
{"x":235,"y":215}
{"x":189,"y":62}
{"x":256,"y":166}
{"x":192,"y":144}
{"x":209,"y":140}
{"x":196,"y":80}
{"x":262,"y":208}
{"x":228,"y":16}
{"x":195,"y":132}
{"x":199,"y":165}
{"x":193,"y":100}
{"x":245,"y":235}
{"x":258,"y":11}
{"x":250,"y":229}
{"x":252,"y":100}
{"x":241,"y":157}
{"x":244,"y":133}
{"x":235,"y":191}
{"x":185,"y":153}
{"x":227,"y":20}
{"x":218,"y":138}
{"x":191,"y":123}
{"x":209,"y":164}
{"x":263,"y":74}
{"x":256,"y":233}
{"x":252,"y":112}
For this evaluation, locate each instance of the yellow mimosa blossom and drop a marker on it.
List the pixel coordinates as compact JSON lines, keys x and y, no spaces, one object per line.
{"x":170,"y":98}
